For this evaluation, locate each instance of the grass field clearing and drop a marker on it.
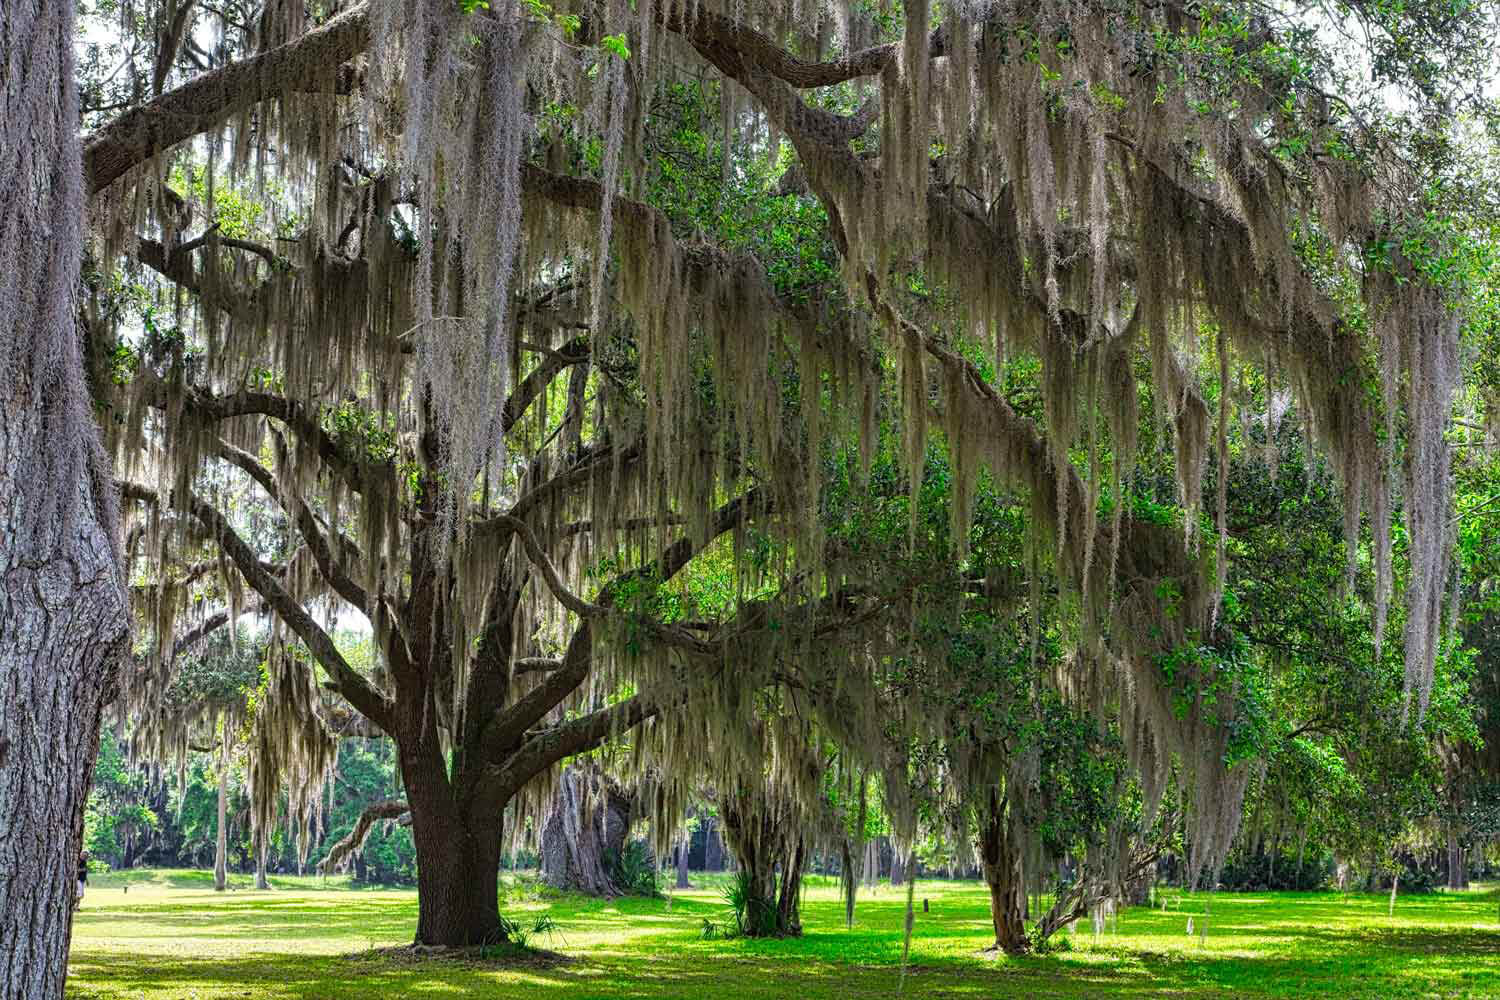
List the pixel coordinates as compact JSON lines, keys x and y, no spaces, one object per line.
{"x":170,"y":936}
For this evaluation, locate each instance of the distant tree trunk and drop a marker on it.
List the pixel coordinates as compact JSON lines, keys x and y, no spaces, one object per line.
{"x":898,"y":868}
{"x":713,"y":846}
{"x":757,"y":835}
{"x":63,"y":619}
{"x":789,"y":905}
{"x":847,"y":882}
{"x":683,"y":847}
{"x":260,"y":864}
{"x":1458,"y":876}
{"x":582,"y":841}
{"x":1000,"y":857}
{"x":221,"y":843}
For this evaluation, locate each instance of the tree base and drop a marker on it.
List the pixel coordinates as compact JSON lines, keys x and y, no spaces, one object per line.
{"x":506,"y":954}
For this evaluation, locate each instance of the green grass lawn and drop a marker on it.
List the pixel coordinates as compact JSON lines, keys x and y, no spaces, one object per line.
{"x":171,"y":936}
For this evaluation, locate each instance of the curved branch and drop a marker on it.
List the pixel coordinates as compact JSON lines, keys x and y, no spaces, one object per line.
{"x":538,"y":557}
{"x":503,"y":732}
{"x":714,"y":28}
{"x":298,"y":416}
{"x":352,"y":685}
{"x":307,"y":524}
{"x":566,"y":740}
{"x":210,"y":625}
{"x":573,"y":477}
{"x":574,"y":352}
{"x":342,"y":851}
{"x":204,"y":102}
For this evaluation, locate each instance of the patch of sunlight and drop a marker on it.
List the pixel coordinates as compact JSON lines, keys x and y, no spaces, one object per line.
{"x":168,"y":938}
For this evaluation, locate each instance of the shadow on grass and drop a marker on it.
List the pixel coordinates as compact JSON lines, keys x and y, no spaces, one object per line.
{"x":383,"y":974}
{"x":1258,"y":946}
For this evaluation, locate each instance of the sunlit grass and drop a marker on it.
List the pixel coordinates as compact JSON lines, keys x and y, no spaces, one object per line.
{"x":170,"y":936}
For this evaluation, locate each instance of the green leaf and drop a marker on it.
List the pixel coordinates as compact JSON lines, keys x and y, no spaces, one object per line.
{"x":615,"y":44}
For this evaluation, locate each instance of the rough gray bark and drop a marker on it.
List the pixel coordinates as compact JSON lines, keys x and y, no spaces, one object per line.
{"x":62,"y":620}
{"x":582,"y":839}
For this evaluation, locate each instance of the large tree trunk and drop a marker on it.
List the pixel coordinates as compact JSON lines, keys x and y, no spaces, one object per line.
{"x":713,"y":846}
{"x":458,"y":873}
{"x":458,"y":852}
{"x":62,"y":617}
{"x":1138,"y":889}
{"x":1000,"y":856}
{"x":584,"y":836}
{"x":789,"y":904}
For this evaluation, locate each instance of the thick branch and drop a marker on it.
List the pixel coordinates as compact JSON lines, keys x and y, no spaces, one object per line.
{"x":573,"y":477}
{"x":203,"y":103}
{"x":536,"y":664}
{"x":711,"y":27}
{"x":538,"y":557}
{"x":503,"y":732}
{"x":299,"y":417}
{"x":566,"y":740}
{"x":340,"y":853}
{"x":351,"y":684}
{"x":209,"y":626}
{"x":307,"y":525}
{"x":574,"y":352}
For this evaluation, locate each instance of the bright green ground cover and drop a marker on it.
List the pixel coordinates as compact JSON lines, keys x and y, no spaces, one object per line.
{"x":171,"y":936}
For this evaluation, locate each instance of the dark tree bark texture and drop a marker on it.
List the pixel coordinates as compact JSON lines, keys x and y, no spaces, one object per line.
{"x":683,"y":848}
{"x":1458,"y":872}
{"x":62,"y":619}
{"x":1000,"y":858}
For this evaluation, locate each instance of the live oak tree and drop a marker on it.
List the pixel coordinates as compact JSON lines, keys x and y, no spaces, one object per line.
{"x":999,"y":764}
{"x":481,"y":683}
{"x":504,"y":398}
